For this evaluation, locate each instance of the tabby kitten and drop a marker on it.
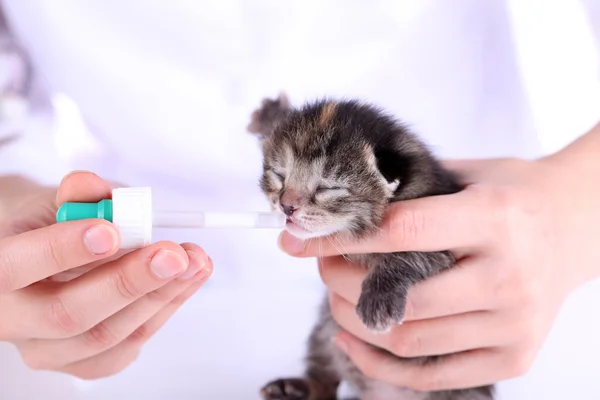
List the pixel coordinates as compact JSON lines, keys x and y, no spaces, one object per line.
{"x":332,"y":167}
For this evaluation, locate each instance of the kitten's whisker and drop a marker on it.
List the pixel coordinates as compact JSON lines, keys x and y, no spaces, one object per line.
{"x":338,"y":249}
{"x":342,"y":246}
{"x":320,"y":252}
{"x":306,"y":244}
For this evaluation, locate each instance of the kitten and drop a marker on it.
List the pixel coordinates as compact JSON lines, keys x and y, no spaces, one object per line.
{"x":333,"y":167}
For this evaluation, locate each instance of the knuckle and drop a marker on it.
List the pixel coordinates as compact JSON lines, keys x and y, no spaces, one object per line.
{"x":160,"y":296}
{"x":101,"y":336}
{"x":530,"y":292}
{"x":8,"y":276}
{"x":33,"y":361}
{"x":125,"y":286}
{"x":60,"y":319}
{"x":521,"y":289}
{"x":404,"y":226}
{"x":520,"y":364}
{"x":516,"y":285}
{"x":140,"y":335}
{"x":369,"y":368}
{"x":512,"y":209}
{"x":86,"y":375}
{"x":407,"y":345}
{"x":498,"y":201}
{"x":90,"y":374}
{"x":179,"y":300}
{"x":531,"y":327}
{"x":54,"y":259}
{"x":93,"y":371}
{"x":35,"y":358}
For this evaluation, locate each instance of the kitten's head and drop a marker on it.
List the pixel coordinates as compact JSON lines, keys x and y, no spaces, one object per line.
{"x":325,"y":171}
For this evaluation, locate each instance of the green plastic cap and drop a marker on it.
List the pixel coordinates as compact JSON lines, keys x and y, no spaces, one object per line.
{"x":76,"y":211}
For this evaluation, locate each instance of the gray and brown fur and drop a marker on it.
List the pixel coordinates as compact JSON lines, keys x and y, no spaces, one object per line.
{"x":341,"y":163}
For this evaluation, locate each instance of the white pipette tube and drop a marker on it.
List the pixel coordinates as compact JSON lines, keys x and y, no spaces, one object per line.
{"x":212,"y":220}
{"x":135,"y":217}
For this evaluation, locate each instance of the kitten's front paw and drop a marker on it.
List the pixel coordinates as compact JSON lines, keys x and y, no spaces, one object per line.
{"x":379,"y":311}
{"x":286,"y":389}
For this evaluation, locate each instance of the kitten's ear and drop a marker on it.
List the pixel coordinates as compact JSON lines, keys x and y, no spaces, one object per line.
{"x":393,"y":186}
{"x":284,"y":101}
{"x":272,"y":112}
{"x":393,"y":166}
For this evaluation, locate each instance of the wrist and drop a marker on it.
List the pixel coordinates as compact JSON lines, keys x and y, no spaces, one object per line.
{"x":582,"y":156}
{"x":573,"y":173}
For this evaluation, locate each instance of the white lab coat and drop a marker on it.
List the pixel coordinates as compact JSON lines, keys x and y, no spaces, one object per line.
{"x":159,"y":93}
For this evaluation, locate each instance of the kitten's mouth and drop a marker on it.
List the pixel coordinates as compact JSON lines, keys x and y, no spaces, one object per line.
{"x":295,"y":229}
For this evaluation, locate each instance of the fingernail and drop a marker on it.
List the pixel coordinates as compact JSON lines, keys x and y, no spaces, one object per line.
{"x":100,"y":239}
{"x":205,"y":272}
{"x":167,"y":264}
{"x":340,"y":344}
{"x":197,"y":263}
{"x":290,"y":244}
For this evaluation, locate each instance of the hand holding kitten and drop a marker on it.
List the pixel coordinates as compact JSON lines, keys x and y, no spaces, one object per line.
{"x":523,"y":233}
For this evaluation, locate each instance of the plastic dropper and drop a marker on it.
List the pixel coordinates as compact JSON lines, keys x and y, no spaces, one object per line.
{"x":130,"y":209}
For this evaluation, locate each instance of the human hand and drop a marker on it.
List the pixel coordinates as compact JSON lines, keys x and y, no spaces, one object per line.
{"x":523,"y":233}
{"x":70,"y":300}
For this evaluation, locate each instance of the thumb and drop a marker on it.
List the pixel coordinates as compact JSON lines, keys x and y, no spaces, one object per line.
{"x":39,"y":209}
{"x":435,"y":223}
{"x":83,"y":186}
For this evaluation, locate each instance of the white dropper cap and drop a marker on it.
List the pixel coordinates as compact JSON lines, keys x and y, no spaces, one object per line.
{"x":132,"y":214}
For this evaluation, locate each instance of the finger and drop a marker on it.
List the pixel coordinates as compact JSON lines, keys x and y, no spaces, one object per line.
{"x":437,"y":223}
{"x":456,"y":371}
{"x":53,"y":354}
{"x":104,"y":365}
{"x":150,"y":328}
{"x":69,"y":309}
{"x":464,"y":288}
{"x":35,"y":255}
{"x":342,"y":278}
{"x":119,"y":357}
{"x":83,"y":186}
{"x":429,"y":337}
{"x":73,"y":273}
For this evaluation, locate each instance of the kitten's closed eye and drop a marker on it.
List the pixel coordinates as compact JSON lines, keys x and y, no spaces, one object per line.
{"x":334,"y":188}
{"x":280,"y":175}
{"x":328,"y":192}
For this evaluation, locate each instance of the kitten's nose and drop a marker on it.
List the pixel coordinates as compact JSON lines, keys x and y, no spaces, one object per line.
{"x":290,"y":200}
{"x":288,"y":210}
